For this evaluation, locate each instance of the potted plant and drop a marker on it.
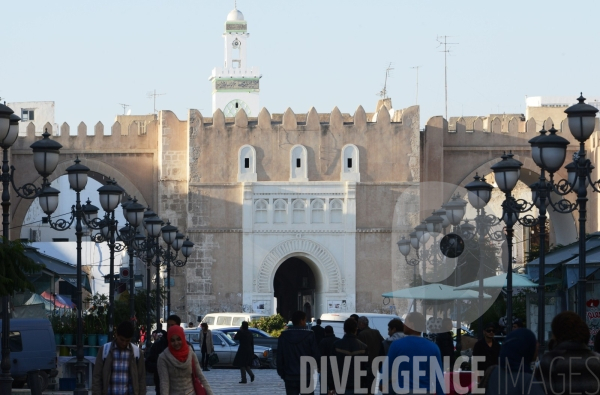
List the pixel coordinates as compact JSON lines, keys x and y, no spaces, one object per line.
{"x":98,"y":317}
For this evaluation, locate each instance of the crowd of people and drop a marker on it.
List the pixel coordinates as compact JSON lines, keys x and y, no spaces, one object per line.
{"x":406,"y":361}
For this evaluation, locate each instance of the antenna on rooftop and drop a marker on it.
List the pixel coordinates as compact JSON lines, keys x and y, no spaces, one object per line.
{"x":417,"y":67}
{"x":445,"y":43}
{"x":388,"y":71}
{"x":124,"y":107}
{"x":153,"y":95}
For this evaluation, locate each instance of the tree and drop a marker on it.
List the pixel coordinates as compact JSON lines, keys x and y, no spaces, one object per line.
{"x":15,"y":267}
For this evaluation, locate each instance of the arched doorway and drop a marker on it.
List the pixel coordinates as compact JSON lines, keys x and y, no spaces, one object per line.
{"x":294,"y":288}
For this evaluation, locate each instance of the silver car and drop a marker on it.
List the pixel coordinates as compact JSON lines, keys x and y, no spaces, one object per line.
{"x":226,"y":348}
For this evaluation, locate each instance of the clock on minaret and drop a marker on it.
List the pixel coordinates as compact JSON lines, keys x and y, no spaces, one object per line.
{"x":235,"y":86}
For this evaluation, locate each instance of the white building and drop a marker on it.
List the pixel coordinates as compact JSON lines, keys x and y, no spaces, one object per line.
{"x":38,"y":113}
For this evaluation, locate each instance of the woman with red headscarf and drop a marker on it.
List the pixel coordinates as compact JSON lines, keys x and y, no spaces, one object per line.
{"x":175,"y":366}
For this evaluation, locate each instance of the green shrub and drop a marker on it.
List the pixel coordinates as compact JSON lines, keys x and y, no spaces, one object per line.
{"x":273,"y":325}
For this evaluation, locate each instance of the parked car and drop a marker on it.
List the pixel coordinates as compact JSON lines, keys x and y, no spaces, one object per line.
{"x":261,"y":338}
{"x":226,"y":348}
{"x":226,"y":320}
{"x":32,"y":347}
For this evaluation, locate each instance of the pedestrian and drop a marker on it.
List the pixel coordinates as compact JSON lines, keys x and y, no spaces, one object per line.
{"x":206,"y":345}
{"x":191,"y":324}
{"x":157,"y":348}
{"x":142,"y":336}
{"x":488,"y":348}
{"x":177,"y":365}
{"x":245,"y":353}
{"x":571,"y":367}
{"x":119,"y":367}
{"x":417,"y":355}
{"x":326,"y":350}
{"x":158,"y":332}
{"x":374,"y":341}
{"x":319,"y":332}
{"x":293,"y":343}
{"x":513,"y":374}
{"x":395,"y":332}
{"x":446,"y":344}
{"x":518,"y":323}
{"x":350,"y":352}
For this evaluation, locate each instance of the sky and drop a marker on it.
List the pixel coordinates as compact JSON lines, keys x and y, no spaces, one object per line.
{"x":91,"y":56}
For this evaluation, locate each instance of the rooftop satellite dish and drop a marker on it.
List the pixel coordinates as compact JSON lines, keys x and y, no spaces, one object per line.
{"x":129,"y":112}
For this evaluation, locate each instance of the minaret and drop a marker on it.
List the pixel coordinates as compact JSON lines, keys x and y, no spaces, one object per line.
{"x":235,"y":85}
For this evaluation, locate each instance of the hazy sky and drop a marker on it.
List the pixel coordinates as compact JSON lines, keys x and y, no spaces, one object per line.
{"x":89,"y":56}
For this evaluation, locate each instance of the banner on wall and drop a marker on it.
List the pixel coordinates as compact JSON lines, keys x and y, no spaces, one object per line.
{"x":593,"y":318}
{"x":336,"y":306}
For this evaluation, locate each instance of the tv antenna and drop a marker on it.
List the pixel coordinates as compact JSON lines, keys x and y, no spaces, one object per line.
{"x":388,"y":72}
{"x":124,"y":107}
{"x":153,"y":96}
{"x":417,"y":67}
{"x":445,"y":43}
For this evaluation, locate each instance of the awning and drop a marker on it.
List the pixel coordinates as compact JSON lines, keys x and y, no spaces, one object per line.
{"x":592,"y":264}
{"x":60,"y":268}
{"x":556,"y":259}
{"x":499,"y":281}
{"x":434,"y":292}
{"x":60,"y":301}
{"x":72,"y":279}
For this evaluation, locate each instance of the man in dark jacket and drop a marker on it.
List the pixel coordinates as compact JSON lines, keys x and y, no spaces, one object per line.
{"x":319,"y":331}
{"x":293,"y":343}
{"x":445,"y":342}
{"x":570,"y":367}
{"x":158,"y":347}
{"x":326,"y":350}
{"x":373,"y":339}
{"x":245,"y":353}
{"x":346,"y":351}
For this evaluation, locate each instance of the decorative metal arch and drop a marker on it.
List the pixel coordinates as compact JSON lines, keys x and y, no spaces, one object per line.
{"x":299,"y":246}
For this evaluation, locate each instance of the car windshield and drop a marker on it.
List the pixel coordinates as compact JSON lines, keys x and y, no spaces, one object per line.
{"x":219,"y":337}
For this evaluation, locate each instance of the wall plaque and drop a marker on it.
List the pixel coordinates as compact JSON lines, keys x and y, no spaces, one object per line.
{"x":236,"y":84}
{"x":235,"y":26}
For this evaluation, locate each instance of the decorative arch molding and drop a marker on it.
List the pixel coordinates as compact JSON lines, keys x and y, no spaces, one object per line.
{"x":299,"y":246}
{"x":22,"y":205}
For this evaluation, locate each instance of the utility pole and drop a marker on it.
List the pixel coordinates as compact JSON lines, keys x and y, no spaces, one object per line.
{"x":153,"y":95}
{"x":445,"y":43}
{"x":124,"y":107}
{"x":417,"y":67}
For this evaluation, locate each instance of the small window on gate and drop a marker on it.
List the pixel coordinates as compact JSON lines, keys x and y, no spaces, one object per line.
{"x":349,"y":163}
{"x":298,"y":162}
{"x":247,"y":163}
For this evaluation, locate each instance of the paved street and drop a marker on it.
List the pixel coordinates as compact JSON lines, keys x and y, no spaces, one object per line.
{"x":226,"y":382}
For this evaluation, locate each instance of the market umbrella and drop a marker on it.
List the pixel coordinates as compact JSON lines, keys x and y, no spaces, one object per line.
{"x":434,"y":292}
{"x":499,"y":281}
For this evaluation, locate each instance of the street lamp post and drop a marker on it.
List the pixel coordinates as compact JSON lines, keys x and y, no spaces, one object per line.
{"x":479,"y":195}
{"x":153,"y":227}
{"x":45,"y":159}
{"x":78,"y":177}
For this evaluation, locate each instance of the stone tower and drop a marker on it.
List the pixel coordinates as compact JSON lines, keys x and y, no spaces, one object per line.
{"x":235,"y":86}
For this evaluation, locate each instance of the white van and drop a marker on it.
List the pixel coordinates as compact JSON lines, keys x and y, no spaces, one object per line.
{"x":376,"y":321}
{"x":226,"y":320}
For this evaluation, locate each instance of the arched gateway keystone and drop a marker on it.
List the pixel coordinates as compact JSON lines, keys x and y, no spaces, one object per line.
{"x":317,"y":253}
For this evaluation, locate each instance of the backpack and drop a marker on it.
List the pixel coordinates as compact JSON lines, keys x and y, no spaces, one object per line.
{"x":106,"y":349}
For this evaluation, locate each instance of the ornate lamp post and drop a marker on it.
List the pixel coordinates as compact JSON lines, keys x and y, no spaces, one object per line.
{"x":134,"y":214}
{"x":45,"y":159}
{"x":153,"y":227}
{"x":507,"y":173}
{"x":78,"y":177}
{"x":480,"y":193}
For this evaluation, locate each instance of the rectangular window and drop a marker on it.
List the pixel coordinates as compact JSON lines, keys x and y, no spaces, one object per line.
{"x":298,"y":162}
{"x":247,"y":163}
{"x":26,"y":115}
{"x":223,"y":320}
{"x":349,"y":163}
